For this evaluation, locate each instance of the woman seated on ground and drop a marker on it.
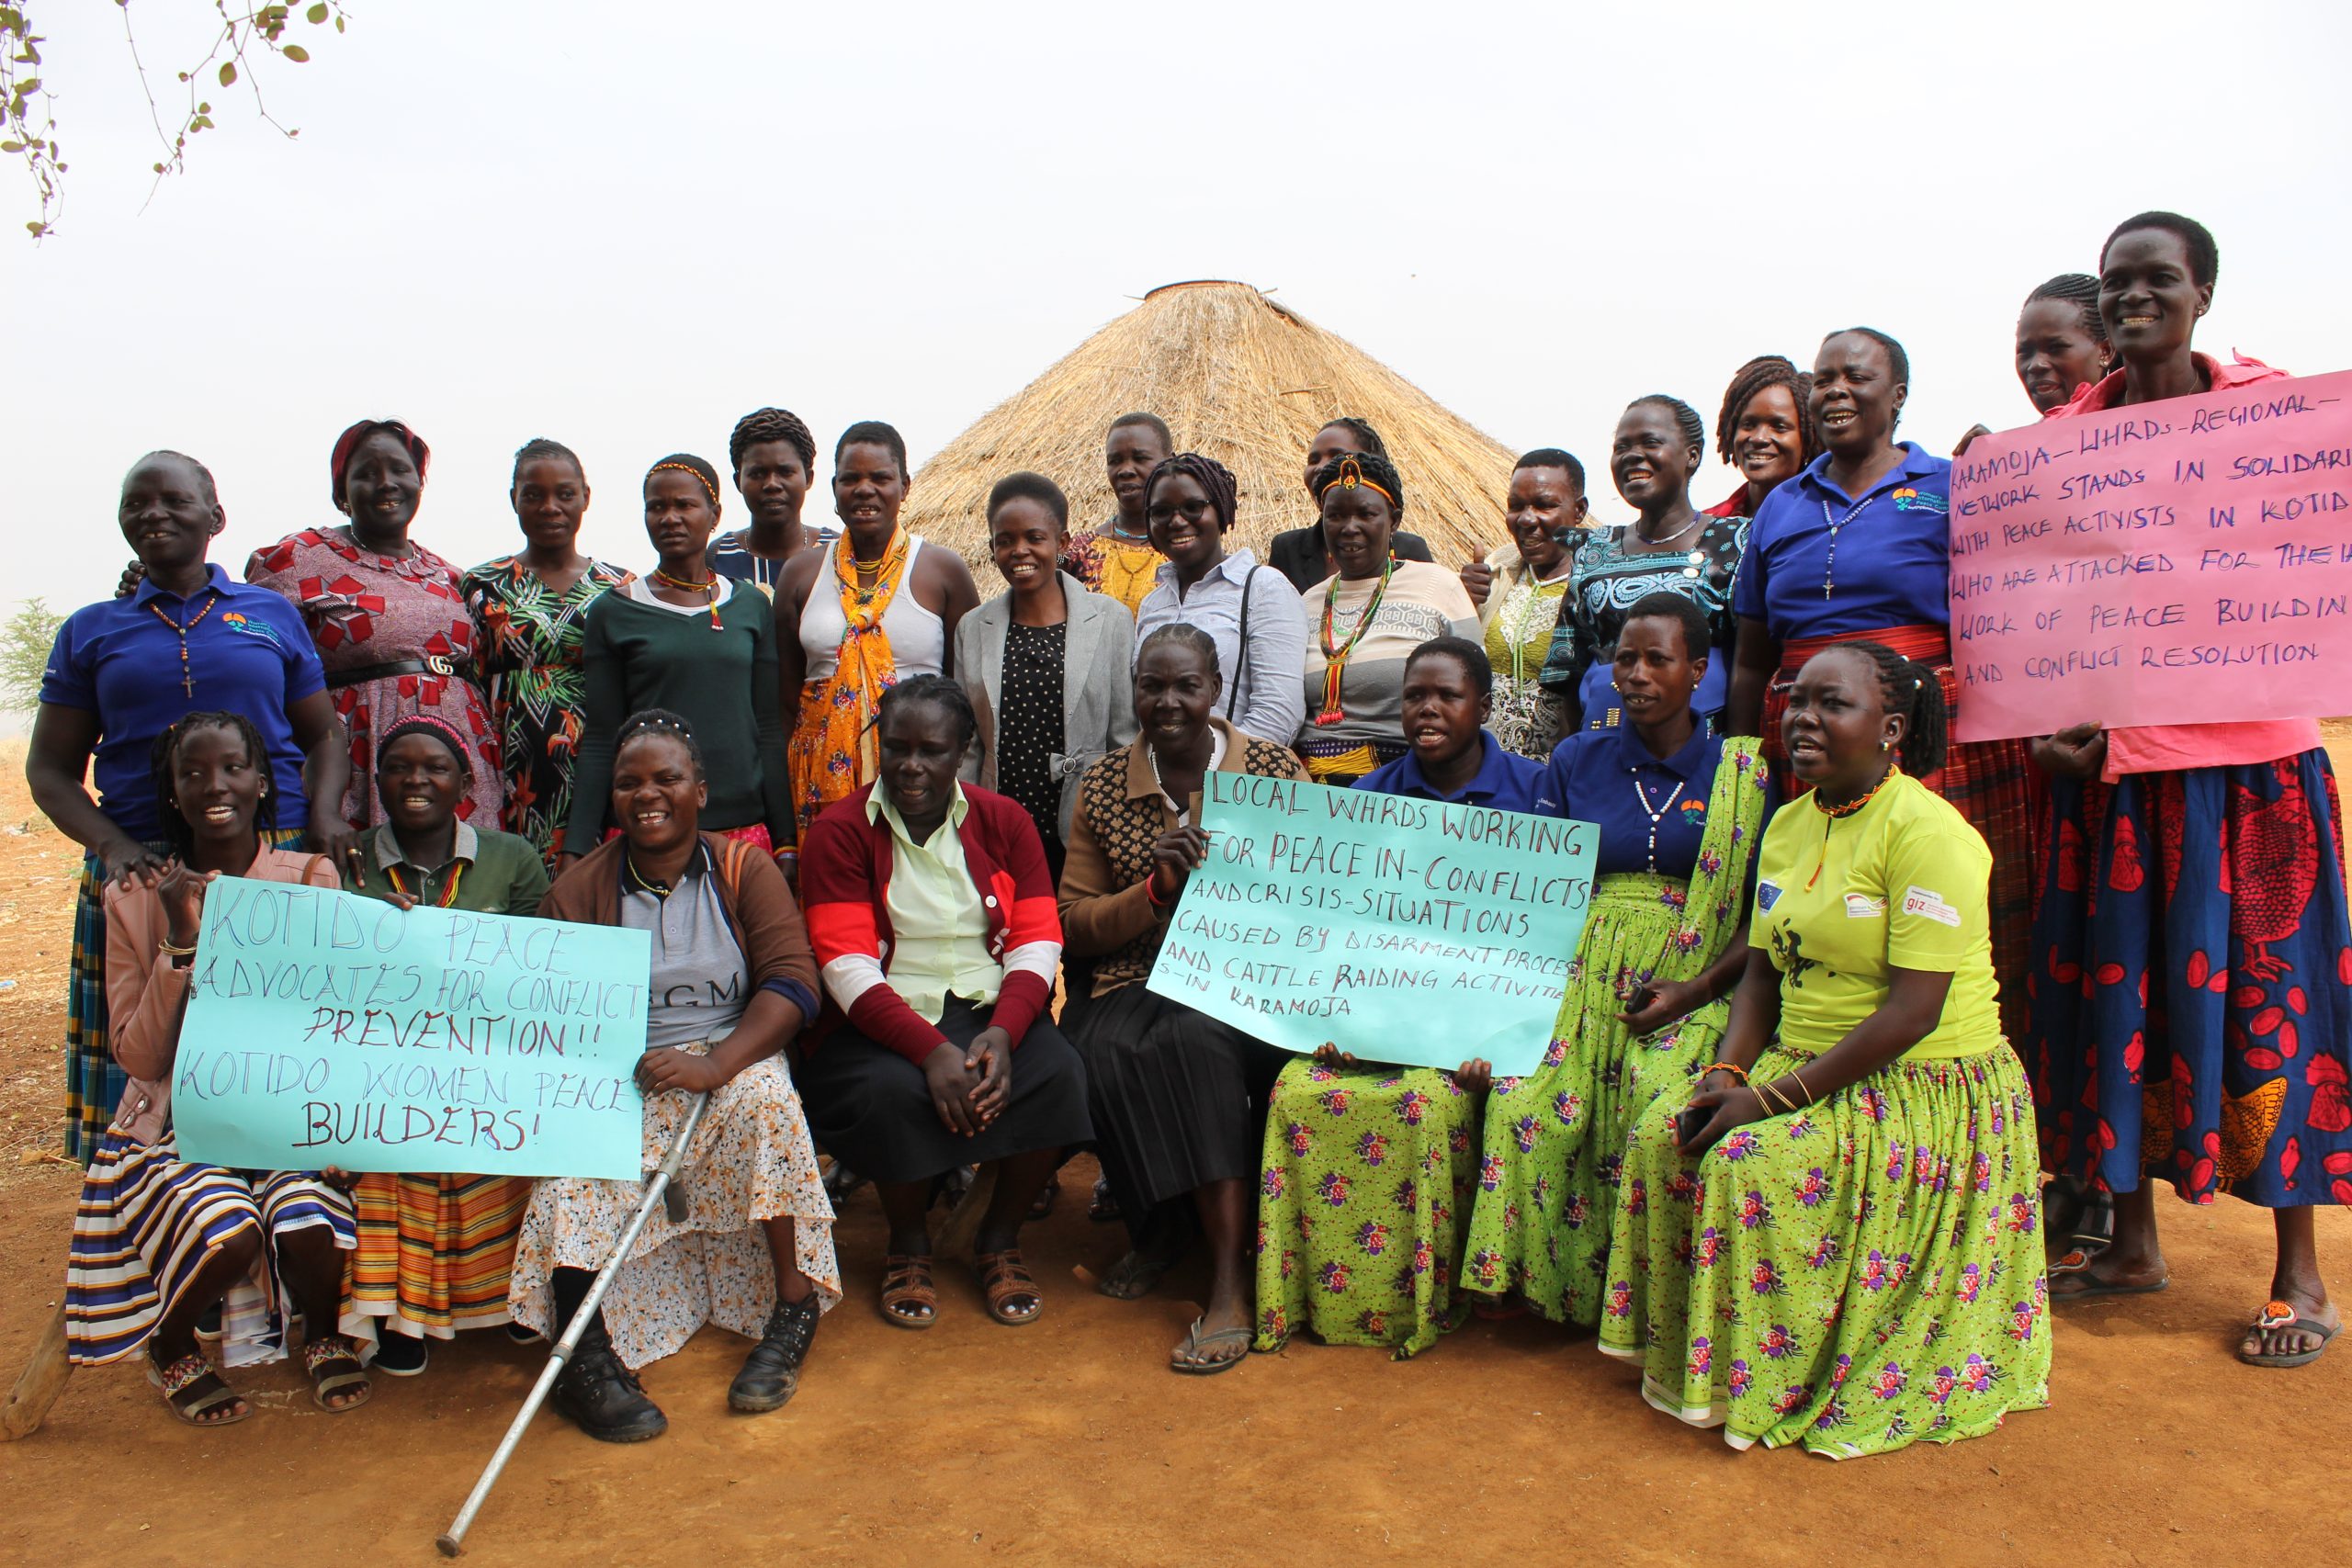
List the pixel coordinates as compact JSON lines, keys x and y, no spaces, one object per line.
{"x":1834,"y":1243}
{"x":1369,"y":1170}
{"x":435,"y":1250}
{"x":1364,"y":620}
{"x":158,"y":1241}
{"x":934,"y":922}
{"x":1172,"y":1093}
{"x":731,"y":983}
{"x":1665,"y":939}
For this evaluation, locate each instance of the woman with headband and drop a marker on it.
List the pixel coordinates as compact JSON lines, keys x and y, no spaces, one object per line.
{"x":388,"y":616}
{"x":1364,"y":622}
{"x":692,"y":641}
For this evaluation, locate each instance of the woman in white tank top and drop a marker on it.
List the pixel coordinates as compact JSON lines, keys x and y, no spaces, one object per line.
{"x":855,"y":619}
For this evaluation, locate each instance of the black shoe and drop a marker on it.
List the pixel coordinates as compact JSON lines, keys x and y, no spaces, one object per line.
{"x":400,"y":1355}
{"x":772,"y":1371}
{"x":602,"y":1397}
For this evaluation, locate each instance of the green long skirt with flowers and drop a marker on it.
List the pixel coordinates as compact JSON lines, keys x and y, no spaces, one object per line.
{"x":1855,"y":1276}
{"x":1366,"y":1175}
{"x":1555,"y":1139}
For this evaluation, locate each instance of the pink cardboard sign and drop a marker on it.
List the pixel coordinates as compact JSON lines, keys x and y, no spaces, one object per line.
{"x":2181,"y":562}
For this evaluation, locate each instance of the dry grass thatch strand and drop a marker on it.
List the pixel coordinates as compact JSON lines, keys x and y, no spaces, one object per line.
{"x":1240,"y":379}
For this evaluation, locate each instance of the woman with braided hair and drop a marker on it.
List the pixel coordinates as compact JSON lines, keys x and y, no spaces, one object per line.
{"x":775,"y":458}
{"x":2191,"y":1019}
{"x":390,"y":617}
{"x":1859,"y":547}
{"x":1765,"y":431}
{"x":1833,"y":1242}
{"x":533,"y":607}
{"x":1365,"y":620}
{"x":685,"y":639}
{"x":854,"y":620}
{"x":1670,"y":547}
{"x":2062,"y":346}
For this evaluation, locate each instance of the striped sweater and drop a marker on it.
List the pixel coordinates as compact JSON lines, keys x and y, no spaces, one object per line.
{"x":844,"y":888}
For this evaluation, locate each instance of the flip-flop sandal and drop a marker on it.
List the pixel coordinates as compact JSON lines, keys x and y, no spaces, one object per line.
{"x":2282,"y":1314}
{"x":1102,"y":1209}
{"x":186,"y":1374}
{"x":2074,"y":1260}
{"x":1131,"y":1277}
{"x":2096,"y":1288}
{"x":1195,"y":1342}
{"x":906,"y":1281}
{"x":1004,"y":1279}
{"x":332,"y":1362}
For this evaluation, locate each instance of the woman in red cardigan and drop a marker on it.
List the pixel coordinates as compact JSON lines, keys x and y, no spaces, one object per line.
{"x":933,"y":916}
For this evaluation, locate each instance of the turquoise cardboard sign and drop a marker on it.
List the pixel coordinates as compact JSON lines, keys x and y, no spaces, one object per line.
{"x":1400,"y":930}
{"x":327,"y":1029}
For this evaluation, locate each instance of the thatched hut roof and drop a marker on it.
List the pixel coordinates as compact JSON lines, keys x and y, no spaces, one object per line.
{"x":1238,"y":377}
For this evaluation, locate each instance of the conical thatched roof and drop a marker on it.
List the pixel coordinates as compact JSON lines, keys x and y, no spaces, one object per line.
{"x":1242,"y":379}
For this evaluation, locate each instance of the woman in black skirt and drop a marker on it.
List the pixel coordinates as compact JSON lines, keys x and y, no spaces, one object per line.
{"x":1172,"y":1092}
{"x":931,"y":913}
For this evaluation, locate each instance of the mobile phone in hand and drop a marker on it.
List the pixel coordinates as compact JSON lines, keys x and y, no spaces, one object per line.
{"x":1690,"y":1121}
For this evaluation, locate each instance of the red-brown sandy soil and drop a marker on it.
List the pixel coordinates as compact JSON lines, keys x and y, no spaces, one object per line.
{"x":1069,"y":1441}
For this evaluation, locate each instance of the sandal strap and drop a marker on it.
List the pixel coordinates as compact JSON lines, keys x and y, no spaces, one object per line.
{"x":2276,"y":1314}
{"x":329,"y":1347}
{"x":182,"y":1373}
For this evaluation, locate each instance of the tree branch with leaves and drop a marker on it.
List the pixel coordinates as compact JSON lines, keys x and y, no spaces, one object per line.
{"x":248,"y":35}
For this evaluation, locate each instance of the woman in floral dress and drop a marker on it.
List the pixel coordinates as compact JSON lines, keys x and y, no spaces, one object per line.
{"x":533,"y":608}
{"x":388,"y":615}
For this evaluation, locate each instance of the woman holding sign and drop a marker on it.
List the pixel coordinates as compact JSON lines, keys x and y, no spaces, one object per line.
{"x":1171,"y":1091}
{"x":1369,"y":1170}
{"x":751,"y":1248}
{"x":1833,"y":1242}
{"x":1679,"y":812}
{"x":435,"y":1250}
{"x":1857,"y":546}
{"x":157,"y":1240}
{"x":2191,"y":1019}
{"x":1365,"y":619}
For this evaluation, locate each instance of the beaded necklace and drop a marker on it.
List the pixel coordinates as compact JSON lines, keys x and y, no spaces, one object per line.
{"x":1832,"y":815}
{"x":1335,"y":659}
{"x":448,"y":899}
{"x":707,"y":585}
{"x":1830,"y":565}
{"x":187,"y":678}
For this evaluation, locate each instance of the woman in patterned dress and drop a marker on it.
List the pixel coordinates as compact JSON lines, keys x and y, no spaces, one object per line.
{"x":388,"y":615}
{"x":533,"y":607}
{"x":1669,"y":545}
{"x":1518,"y":598}
{"x":1834,"y":1242}
{"x":1679,"y":812}
{"x":732,"y":982}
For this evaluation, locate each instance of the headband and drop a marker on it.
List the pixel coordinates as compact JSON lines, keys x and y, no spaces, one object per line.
{"x":700,"y":478}
{"x":425,"y":724}
{"x":1351,"y":474}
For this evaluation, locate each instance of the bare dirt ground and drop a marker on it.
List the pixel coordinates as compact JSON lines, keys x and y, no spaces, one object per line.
{"x":1070,"y":1442}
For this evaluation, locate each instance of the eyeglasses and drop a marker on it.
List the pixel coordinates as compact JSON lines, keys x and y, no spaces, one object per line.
{"x":1194,"y":512}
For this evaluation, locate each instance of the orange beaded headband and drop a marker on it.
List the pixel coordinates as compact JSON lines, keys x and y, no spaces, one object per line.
{"x":708,"y":488}
{"x":1351,"y":475}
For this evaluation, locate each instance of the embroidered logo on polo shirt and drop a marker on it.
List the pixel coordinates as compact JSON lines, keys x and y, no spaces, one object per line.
{"x":1693,"y":810}
{"x":1862,"y":907}
{"x":236,"y":622}
{"x":1918,"y":900}
{"x":1908,"y":499}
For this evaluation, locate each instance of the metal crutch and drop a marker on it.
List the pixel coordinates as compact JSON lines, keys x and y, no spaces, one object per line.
{"x":452,"y":1540}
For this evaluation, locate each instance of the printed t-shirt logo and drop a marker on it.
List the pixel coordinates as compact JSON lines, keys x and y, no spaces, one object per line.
{"x":1918,"y":900}
{"x":1908,"y":499}
{"x":236,"y":622}
{"x":1767,"y":894}
{"x":1862,"y":907}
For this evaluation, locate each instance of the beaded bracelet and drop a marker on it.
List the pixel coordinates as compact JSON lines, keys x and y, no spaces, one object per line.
{"x":1734,"y":1069}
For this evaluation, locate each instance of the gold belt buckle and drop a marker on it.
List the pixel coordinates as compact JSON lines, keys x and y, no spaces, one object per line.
{"x":440,"y":664}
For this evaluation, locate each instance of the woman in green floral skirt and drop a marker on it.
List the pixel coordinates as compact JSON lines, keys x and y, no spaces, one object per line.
{"x":1368,"y":1170}
{"x":1679,"y":813}
{"x":1836,"y":1243}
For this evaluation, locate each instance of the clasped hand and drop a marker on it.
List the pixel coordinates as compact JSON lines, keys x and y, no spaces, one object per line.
{"x":971,"y":1085}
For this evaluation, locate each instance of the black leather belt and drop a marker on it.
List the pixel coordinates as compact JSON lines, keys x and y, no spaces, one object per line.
{"x":440,"y":664}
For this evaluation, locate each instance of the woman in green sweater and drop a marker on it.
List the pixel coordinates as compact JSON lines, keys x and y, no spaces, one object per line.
{"x":685,"y":639}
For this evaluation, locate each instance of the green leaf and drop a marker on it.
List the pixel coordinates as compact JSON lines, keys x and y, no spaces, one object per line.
{"x":11,"y":146}
{"x":297,"y":53}
{"x":316,"y":14}
{"x":228,"y":72}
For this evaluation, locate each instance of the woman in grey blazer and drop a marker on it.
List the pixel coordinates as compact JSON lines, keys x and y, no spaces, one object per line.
{"x":1044,"y":663}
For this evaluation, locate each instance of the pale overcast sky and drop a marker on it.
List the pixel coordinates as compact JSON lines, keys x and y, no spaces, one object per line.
{"x":623,"y":226}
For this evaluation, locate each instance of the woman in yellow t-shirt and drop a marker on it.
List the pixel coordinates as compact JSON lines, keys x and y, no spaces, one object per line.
{"x":1836,"y":1241}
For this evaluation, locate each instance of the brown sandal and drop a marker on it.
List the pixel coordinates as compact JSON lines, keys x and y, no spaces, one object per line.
{"x":1004,"y":1279}
{"x":182,"y":1385}
{"x":906,"y":1283}
{"x":332,"y":1362}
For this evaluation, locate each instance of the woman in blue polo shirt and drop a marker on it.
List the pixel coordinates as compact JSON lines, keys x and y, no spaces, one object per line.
{"x":1680,"y":812}
{"x":1368,"y":1169}
{"x":124,"y":670}
{"x":1856,"y":548}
